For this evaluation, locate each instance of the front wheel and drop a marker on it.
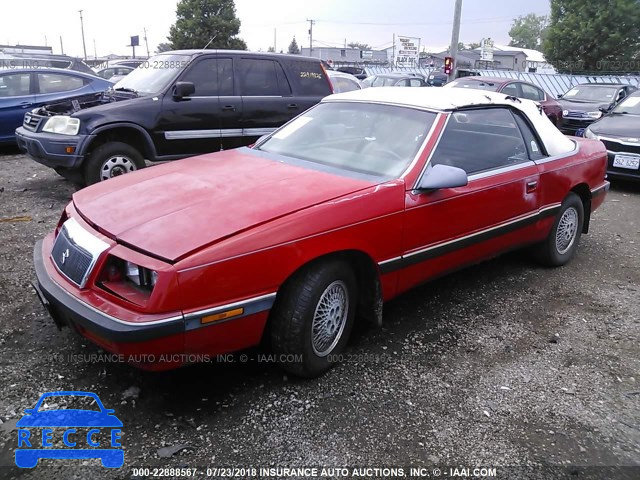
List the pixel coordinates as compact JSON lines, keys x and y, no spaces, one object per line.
{"x":110,"y":160}
{"x":562,"y":242}
{"x":313,"y":318}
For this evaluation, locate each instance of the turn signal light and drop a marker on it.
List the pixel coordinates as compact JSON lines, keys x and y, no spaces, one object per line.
{"x":222,"y":316}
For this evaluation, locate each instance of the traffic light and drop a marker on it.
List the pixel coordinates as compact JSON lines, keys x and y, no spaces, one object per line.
{"x":448,"y":65}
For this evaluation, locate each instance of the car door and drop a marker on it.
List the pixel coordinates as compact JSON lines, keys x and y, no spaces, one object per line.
{"x":16,"y":98}
{"x":267,"y":100}
{"x":193,"y":124}
{"x":496,"y":210}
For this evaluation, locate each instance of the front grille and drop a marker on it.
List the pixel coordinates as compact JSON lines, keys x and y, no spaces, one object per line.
{"x":575,"y":124}
{"x":620,"y":148}
{"x":31,"y":121}
{"x":72,"y":260}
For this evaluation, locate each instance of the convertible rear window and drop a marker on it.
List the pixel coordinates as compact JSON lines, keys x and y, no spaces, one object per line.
{"x":373,"y":139}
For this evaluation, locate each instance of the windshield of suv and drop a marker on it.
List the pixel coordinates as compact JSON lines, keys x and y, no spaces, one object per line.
{"x":384,"y":81}
{"x":154,"y":74}
{"x":586,"y":93}
{"x":478,"y":85}
{"x":371,"y":139}
{"x":630,"y":105}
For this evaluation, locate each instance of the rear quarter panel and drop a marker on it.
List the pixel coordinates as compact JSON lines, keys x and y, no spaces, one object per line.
{"x":586,"y":166}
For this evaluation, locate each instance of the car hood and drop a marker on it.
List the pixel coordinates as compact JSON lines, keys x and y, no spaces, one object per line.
{"x":583,"y":106}
{"x":627,"y":126}
{"x":174,"y":209}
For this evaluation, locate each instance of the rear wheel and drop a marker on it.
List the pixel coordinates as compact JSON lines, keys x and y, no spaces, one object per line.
{"x":313,"y":318}
{"x":110,"y":160}
{"x":562,"y":242}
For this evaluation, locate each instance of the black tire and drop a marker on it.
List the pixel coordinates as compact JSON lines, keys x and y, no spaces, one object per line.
{"x":561,"y":244}
{"x":293,"y":315}
{"x":72,"y":175}
{"x":111,"y":159}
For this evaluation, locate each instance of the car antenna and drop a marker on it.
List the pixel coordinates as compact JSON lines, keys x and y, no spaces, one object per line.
{"x":209,"y":42}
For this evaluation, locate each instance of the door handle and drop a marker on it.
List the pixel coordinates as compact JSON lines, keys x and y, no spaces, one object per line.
{"x":230,"y":108}
{"x":531,"y":186}
{"x":292,"y":105}
{"x":26,"y":104}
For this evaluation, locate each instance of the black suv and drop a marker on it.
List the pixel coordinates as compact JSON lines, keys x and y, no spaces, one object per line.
{"x":176,"y":104}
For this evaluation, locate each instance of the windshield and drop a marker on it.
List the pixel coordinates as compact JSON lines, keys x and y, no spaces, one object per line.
{"x":586,"y":93}
{"x":373,"y":139}
{"x":154,"y":74}
{"x":629,"y":105}
{"x":384,"y":82}
{"x":490,"y":86}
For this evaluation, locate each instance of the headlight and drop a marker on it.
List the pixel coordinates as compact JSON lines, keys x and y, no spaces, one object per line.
{"x":63,"y":125}
{"x":589,"y":134}
{"x":596,"y":114}
{"x":565,"y":113}
{"x":140,"y":276}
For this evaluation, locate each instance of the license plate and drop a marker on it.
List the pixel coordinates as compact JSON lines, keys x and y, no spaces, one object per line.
{"x":626,"y":161}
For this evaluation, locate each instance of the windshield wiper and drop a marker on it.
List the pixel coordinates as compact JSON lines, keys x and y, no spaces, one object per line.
{"x":126,"y":89}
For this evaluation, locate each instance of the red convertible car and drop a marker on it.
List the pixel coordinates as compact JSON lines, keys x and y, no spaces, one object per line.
{"x":353,"y":202}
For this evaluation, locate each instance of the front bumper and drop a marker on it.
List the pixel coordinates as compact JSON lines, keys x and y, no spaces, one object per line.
{"x":50,"y":149}
{"x":157,"y":344}
{"x":68,"y":310}
{"x":620,"y":173}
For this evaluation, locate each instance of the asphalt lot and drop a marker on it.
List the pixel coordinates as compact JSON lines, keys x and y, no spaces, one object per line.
{"x":503,"y":364}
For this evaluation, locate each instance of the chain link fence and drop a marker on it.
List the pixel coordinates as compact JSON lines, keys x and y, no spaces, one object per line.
{"x":555,"y":84}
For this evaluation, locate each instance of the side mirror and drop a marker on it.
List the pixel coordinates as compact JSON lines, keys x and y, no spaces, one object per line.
{"x":605,"y":109}
{"x":183,"y":89}
{"x":443,"y":176}
{"x":560,"y":95}
{"x":30,"y":411}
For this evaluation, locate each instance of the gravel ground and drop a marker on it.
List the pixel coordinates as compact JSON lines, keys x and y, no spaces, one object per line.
{"x":503,"y":364}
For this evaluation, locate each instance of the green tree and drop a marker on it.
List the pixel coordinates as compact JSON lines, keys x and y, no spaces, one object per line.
{"x":591,"y":36}
{"x":361,"y":46}
{"x":473,"y":45}
{"x":164,"y":47}
{"x":206,"y":22}
{"x":271,"y":49}
{"x":527,"y":31}
{"x":293,"y":47}
{"x":460,"y":47}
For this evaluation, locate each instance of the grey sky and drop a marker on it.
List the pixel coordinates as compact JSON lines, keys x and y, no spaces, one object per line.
{"x":368,"y":21}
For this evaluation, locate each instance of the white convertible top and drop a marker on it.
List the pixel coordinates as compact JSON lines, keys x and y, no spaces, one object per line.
{"x":449,"y":99}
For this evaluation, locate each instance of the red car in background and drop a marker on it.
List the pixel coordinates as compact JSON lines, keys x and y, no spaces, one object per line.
{"x":515,"y":88}
{"x":352,"y":203}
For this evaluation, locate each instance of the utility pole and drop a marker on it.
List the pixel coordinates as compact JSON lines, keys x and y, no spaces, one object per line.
{"x":145,"y":41}
{"x":274,"y":40}
{"x":455,"y":37}
{"x":61,"y":47}
{"x":393,"y":54}
{"x":95,"y":51}
{"x":84,"y":46}
{"x":311,"y":23}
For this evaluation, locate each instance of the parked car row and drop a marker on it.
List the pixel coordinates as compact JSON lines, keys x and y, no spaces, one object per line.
{"x":93,"y":144}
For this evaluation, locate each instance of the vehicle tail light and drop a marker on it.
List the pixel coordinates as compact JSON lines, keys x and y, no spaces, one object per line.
{"x":324,"y":70}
